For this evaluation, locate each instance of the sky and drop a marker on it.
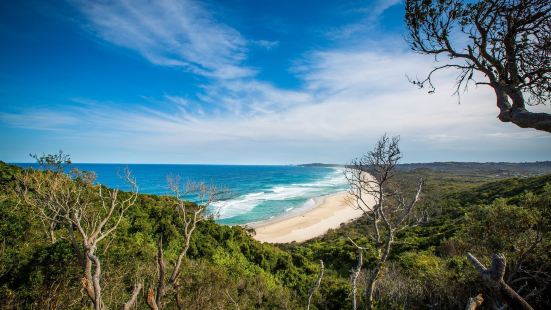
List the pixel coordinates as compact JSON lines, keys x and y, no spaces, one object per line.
{"x":234,"y":82}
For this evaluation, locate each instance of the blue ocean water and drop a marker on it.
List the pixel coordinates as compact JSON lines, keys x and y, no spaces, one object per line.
{"x":256,"y":193}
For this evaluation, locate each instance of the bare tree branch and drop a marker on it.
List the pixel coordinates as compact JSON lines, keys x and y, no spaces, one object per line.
{"x":372,"y":176}
{"x":493,"y":277}
{"x":354,"y":277}
{"x":506,"y":42}
{"x":204,"y":195}
{"x":133,"y":297}
{"x":316,"y":285}
{"x":73,"y":202}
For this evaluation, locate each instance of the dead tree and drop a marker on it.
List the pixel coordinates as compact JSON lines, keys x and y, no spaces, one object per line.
{"x":51,"y":192}
{"x":315,"y":286}
{"x":373,"y":191}
{"x":504,"y":44}
{"x":90,"y":213}
{"x":95,"y":225}
{"x":354,"y":278}
{"x":204,"y":195}
{"x":493,"y":277}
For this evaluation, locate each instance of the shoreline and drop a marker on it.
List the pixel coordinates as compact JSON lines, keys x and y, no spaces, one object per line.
{"x":328,"y":212}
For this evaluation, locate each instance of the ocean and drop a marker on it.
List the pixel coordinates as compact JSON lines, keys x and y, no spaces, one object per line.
{"x":256,"y":193}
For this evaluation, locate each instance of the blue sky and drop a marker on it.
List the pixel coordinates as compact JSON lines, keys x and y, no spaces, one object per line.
{"x":238,"y":82}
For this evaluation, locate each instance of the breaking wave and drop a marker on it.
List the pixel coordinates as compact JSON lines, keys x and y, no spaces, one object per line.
{"x":295,"y":193}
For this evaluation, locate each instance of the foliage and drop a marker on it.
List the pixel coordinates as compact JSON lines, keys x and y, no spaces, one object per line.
{"x":463,"y":214}
{"x":226,"y":267}
{"x":38,"y":273}
{"x":503,"y":44}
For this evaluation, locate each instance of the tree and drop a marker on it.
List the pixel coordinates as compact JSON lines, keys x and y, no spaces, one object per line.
{"x":354,"y":275}
{"x":93,"y":226}
{"x":190,"y":216}
{"x":504,"y":44}
{"x":89,"y":213}
{"x":53,"y":162}
{"x":374,"y":191}
{"x":52,"y":191}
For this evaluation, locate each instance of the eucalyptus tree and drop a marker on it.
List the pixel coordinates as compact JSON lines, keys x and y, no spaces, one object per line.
{"x":504,"y":44}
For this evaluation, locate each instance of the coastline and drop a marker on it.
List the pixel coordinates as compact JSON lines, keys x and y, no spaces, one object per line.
{"x":329,"y":212}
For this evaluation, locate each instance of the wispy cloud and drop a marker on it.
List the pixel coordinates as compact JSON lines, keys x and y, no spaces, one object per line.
{"x":350,"y":97}
{"x":170,"y":33}
{"x":370,"y":15}
{"x":380,"y":7}
{"x":247,"y":98}
{"x":40,"y":119}
{"x":184,"y":34}
{"x":266,"y":44}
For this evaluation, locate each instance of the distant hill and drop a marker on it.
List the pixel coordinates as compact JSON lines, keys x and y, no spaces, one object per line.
{"x":495,"y":169}
{"x":320,"y":165}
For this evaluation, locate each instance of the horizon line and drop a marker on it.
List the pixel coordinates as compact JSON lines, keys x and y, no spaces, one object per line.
{"x":301,"y":164}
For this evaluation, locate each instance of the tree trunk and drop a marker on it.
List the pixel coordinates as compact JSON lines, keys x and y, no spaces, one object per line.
{"x":354,"y":278}
{"x":518,"y":115}
{"x":133,"y":297}
{"x":316,"y":285}
{"x":374,"y":275}
{"x":151,"y":300}
{"x":87,"y":279}
{"x":370,"y":288}
{"x":98,"y":304}
{"x":53,"y":239}
{"x":493,"y":277}
{"x":161,"y":287}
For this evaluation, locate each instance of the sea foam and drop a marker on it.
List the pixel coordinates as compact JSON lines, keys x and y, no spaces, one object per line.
{"x":291,"y":196}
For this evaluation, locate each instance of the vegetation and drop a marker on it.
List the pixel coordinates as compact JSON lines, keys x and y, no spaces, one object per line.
{"x":428,"y":267}
{"x":503,"y":44}
{"x":226,"y":268}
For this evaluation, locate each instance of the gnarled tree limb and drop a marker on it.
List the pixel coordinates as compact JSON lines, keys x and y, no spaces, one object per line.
{"x":493,"y":277}
{"x":505,"y":42}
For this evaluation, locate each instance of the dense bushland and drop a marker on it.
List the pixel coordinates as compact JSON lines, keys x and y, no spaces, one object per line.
{"x":226,"y":265}
{"x":227,"y":269}
{"x":429,"y":268}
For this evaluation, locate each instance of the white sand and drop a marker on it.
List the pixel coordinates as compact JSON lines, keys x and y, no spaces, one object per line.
{"x":329,"y":213}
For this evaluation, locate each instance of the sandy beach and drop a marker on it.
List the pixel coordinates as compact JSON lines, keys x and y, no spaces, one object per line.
{"x":329,"y":212}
